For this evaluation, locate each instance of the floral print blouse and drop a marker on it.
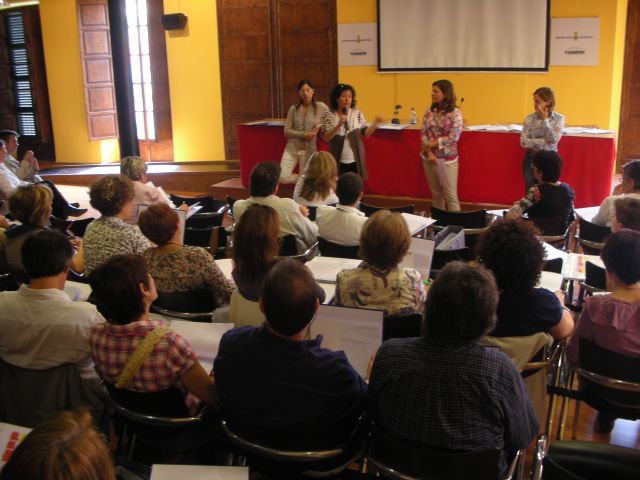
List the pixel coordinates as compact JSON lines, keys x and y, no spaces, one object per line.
{"x":398,"y":291}
{"x":542,"y":134}
{"x":445,"y":129}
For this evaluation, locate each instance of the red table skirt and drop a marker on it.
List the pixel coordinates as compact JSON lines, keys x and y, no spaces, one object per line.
{"x":490,"y":163}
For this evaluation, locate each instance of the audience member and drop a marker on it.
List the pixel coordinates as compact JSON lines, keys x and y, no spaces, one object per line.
{"x":278,"y":388}
{"x":549,"y":197}
{"x":343,"y":223}
{"x":144,"y":191}
{"x":176,"y":267}
{"x":65,"y":447}
{"x":31,"y":206}
{"x":378,"y":282}
{"x":26,"y":169}
{"x":40,"y":327}
{"x":316,"y":186}
{"x":629,"y":186}
{"x":263,"y":187}
{"x":443,"y":390}
{"x":626,"y":214}
{"x":124,"y":288}
{"x":515,"y":256}
{"x":108,"y":235}
{"x":612,"y":321}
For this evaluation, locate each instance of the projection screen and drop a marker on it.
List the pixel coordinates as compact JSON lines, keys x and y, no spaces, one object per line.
{"x":463,"y":35}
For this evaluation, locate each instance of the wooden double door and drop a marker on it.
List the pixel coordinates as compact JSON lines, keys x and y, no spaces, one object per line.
{"x":266,"y":47}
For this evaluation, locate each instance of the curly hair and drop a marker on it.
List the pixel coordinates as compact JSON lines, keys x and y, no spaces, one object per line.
{"x":337,"y":91}
{"x":320,"y":177}
{"x":110,"y":194}
{"x":384,"y":240}
{"x":511,"y":250}
{"x":30,"y":204}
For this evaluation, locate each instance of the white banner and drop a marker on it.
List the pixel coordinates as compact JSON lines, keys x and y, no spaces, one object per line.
{"x":357,"y":44}
{"x":574,"y":41}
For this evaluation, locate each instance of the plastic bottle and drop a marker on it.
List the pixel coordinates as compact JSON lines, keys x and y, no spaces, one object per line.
{"x":413,"y":116}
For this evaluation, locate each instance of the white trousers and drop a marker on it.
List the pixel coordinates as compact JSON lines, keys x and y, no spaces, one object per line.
{"x":443,"y":193}
{"x":288,"y":163}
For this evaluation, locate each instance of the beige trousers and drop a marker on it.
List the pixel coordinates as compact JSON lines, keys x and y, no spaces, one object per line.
{"x":443,"y":193}
{"x":288,"y":163}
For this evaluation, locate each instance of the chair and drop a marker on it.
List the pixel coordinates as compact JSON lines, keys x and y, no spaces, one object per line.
{"x":466,"y":220}
{"x":207,"y":202}
{"x":330,"y":249}
{"x":8,"y":282}
{"x":244,"y":312}
{"x":553,"y":265}
{"x":195,"y":305}
{"x":442,"y":257}
{"x":402,"y":326}
{"x":595,"y":282}
{"x":71,"y":227}
{"x":576,"y":460}
{"x":371,"y":209}
{"x":401,"y":460}
{"x":204,"y":220}
{"x":289,"y":249}
{"x":312,"y":212}
{"x":230,"y":202}
{"x":553,"y":230}
{"x":590,"y":237}
{"x":219,"y":242}
{"x":198,"y":237}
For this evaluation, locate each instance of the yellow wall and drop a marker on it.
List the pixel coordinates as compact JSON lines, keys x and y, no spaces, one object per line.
{"x":585,"y":95}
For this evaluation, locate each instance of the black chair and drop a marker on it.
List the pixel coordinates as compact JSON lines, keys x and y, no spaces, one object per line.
{"x":204,"y":220}
{"x":590,"y":237}
{"x":219,"y":242}
{"x":442,"y":257}
{"x":553,"y":230}
{"x":207,"y":202}
{"x":402,"y":326}
{"x":8,"y":282}
{"x":595,"y":282}
{"x":194,"y":305}
{"x":577,"y":460}
{"x":288,"y":246}
{"x":330,"y":249}
{"x":230,"y":202}
{"x":71,"y":227}
{"x":466,"y":220}
{"x":554,"y":265}
{"x":395,"y":459}
{"x":198,"y":237}
{"x":371,"y":209}
{"x":312,"y":212}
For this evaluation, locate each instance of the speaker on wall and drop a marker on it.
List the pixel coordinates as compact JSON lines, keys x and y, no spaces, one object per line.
{"x":174,"y":21}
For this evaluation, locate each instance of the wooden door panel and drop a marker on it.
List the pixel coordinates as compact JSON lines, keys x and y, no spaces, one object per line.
{"x":629,"y":131}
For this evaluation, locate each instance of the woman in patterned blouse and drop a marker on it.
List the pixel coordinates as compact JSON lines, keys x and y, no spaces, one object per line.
{"x":441,"y":129}
{"x":178,"y":268}
{"x":379,"y":283}
{"x":541,"y":130}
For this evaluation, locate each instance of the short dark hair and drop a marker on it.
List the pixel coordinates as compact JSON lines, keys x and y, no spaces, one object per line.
{"x":46,"y":253}
{"x":337,"y":91}
{"x":621,"y":255}
{"x":631,"y":170}
{"x":158,"y":223}
{"x":348,"y":188}
{"x":264,"y":179}
{"x":549,"y":163}
{"x":5,"y":134}
{"x":116,"y":286}
{"x":110,"y":194}
{"x":384,"y":239}
{"x":461,"y":304}
{"x":546,"y":94}
{"x":289,"y":296}
{"x":627,"y":210}
{"x":512,"y":251}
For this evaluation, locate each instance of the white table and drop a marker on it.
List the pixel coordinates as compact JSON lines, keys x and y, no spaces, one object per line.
{"x":204,"y":338}
{"x":198,"y":472}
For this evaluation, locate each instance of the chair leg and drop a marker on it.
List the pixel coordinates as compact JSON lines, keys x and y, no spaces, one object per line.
{"x":565,"y":407}
{"x":131,"y":446}
{"x":576,"y":420}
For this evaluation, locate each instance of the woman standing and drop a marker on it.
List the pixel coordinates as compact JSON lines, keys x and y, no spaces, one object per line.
{"x":441,"y":128}
{"x":303,"y":123}
{"x":343,"y":127}
{"x":541,"y":130}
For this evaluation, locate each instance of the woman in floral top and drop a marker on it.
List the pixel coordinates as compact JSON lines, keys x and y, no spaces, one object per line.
{"x":441,"y":129}
{"x":378,"y":283}
{"x":178,"y":268}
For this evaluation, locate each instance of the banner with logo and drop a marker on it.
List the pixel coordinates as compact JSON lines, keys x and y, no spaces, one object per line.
{"x":357,"y":44}
{"x":574,"y":41}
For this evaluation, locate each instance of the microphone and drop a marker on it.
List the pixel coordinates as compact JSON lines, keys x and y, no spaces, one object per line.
{"x":344,"y":110}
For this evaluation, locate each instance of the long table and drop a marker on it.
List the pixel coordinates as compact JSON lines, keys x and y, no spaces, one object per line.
{"x":490,"y":163}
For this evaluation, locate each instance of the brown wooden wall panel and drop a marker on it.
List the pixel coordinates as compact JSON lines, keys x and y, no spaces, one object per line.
{"x":101,"y":99}
{"x":98,"y":71}
{"x":93,"y":14}
{"x":103,"y":126}
{"x":96,"y":42}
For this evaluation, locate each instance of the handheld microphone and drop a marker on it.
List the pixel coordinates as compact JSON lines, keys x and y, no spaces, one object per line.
{"x":344,"y":110}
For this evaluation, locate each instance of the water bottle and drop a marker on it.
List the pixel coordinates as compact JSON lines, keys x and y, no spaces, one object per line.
{"x":413,"y":116}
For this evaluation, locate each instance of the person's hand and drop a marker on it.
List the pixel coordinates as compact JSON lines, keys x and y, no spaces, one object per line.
{"x":378,"y":120}
{"x":342,"y":119}
{"x":542,"y":111}
{"x":431,"y":157}
{"x":184,"y":207}
{"x":30,"y":157}
{"x":303,"y":210}
{"x":75,"y":242}
{"x":311,"y":134}
{"x":4,"y":223}
{"x":560,"y":295}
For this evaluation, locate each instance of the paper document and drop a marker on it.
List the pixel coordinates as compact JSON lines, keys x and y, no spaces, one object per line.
{"x":574,"y":267}
{"x":325,"y":269}
{"x":392,"y":126}
{"x":198,"y":472}
{"x":551,"y":281}
{"x":10,"y":436}
{"x":204,"y":338}
{"x":416,"y":223}
{"x":419,"y":256}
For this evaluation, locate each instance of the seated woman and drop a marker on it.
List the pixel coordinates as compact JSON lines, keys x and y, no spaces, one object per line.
{"x":515,"y":256}
{"x":66,"y":446}
{"x":255,"y":246}
{"x":549,"y":197}
{"x":108,"y":235}
{"x":378,"y":283}
{"x":318,"y":184}
{"x":31,"y":206}
{"x":144,"y":192}
{"x":175,"y":267}
{"x":124,"y":288}
{"x":612,"y":321}
{"x":443,"y":390}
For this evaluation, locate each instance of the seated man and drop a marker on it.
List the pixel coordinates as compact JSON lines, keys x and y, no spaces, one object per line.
{"x":626,"y":214}
{"x":277,"y":388}
{"x":263,"y":187}
{"x":40,"y":327}
{"x":629,"y":186}
{"x":443,"y":390}
{"x":25,"y":169}
{"x":343,"y":223}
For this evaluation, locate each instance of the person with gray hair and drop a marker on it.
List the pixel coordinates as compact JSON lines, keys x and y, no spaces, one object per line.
{"x":629,"y":187}
{"x":144,"y":191}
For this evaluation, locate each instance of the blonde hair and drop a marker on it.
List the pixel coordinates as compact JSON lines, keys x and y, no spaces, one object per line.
{"x":384,"y":240}
{"x":133,"y":167}
{"x":30,"y":204}
{"x":320,"y":177}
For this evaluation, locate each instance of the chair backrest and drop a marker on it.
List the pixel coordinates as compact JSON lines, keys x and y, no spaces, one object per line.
{"x":8,"y":282}
{"x":288,"y":246}
{"x":330,"y":249}
{"x":196,"y":305}
{"x":592,"y":232}
{"x":549,"y":226}
{"x":219,"y":242}
{"x":401,"y":460}
{"x":371,"y":209}
{"x":60,"y":224}
{"x":167,"y":403}
{"x":207,"y":202}
{"x":198,"y":237}
{"x":204,"y":220}
{"x":553,"y":265}
{"x":230,"y":202}
{"x":442,"y":257}
{"x":401,"y":327}
{"x":244,"y":312}
{"x":595,"y":276}
{"x":29,"y":397}
{"x":474,"y":219}
{"x":312,"y":212}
